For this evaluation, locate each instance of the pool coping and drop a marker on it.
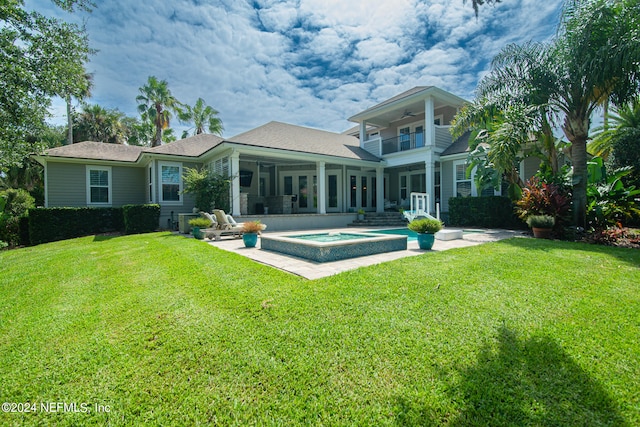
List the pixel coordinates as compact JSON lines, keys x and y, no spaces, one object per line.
{"x":322,"y":252}
{"x":314,"y":270}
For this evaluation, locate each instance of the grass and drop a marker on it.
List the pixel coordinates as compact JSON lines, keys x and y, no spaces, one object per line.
{"x":164,"y":330}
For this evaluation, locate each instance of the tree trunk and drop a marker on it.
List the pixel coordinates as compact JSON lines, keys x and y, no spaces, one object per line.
{"x":69,"y":121}
{"x":577,"y":130}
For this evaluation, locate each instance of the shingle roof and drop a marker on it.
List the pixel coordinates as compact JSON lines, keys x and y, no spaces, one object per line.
{"x":284,"y":136}
{"x":460,"y":145}
{"x":193,"y":146}
{"x":97,"y":151}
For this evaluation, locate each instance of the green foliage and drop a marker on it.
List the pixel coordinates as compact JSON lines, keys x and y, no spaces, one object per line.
{"x":489,"y":212}
{"x":15,"y":206}
{"x":96,"y":123}
{"x":211,"y":190}
{"x":199,"y":222}
{"x":52,"y":224}
{"x":39,"y":58}
{"x":610,"y":202}
{"x":425,"y":225}
{"x":155,"y":103}
{"x":202,"y":116}
{"x":141,"y":218}
{"x":541,"y":221}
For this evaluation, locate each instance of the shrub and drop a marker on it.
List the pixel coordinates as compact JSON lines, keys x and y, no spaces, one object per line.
{"x":15,"y":206}
{"x":141,"y":218}
{"x":610,"y":202}
{"x":252,"y":227}
{"x":52,"y":224}
{"x":489,"y":212}
{"x":211,"y":190}
{"x":541,"y":221}
{"x":199,"y":222}
{"x":425,"y":225}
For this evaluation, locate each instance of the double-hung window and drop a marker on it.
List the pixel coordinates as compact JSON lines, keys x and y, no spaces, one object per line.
{"x":170,"y":179}
{"x":462,"y":184}
{"x":99,"y":185}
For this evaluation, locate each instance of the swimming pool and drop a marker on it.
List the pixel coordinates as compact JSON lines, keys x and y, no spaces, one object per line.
{"x":333,"y":246}
{"x":412,"y":236}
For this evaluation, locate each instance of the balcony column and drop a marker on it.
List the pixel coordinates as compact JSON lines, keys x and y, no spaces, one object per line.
{"x":429,"y":127}
{"x":379,"y":189}
{"x":322,"y":188}
{"x":430,"y":176}
{"x":363,"y":132}
{"x":235,"y":183}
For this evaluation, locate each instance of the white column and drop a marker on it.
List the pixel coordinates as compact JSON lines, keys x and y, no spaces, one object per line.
{"x":322,"y":188}
{"x":429,"y":127}
{"x":235,"y":183}
{"x":430,"y":175}
{"x":380,"y":189}
{"x":363,"y":133}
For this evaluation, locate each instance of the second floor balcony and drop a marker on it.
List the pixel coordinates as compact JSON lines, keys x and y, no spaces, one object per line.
{"x":405,"y":142}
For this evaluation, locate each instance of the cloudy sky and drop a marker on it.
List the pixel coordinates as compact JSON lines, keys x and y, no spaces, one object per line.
{"x":305,"y":62}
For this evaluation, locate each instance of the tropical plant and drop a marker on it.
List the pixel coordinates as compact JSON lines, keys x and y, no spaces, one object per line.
{"x":202,"y":116}
{"x":96,"y":123}
{"x":594,"y":56}
{"x":157,"y":102}
{"x":541,"y":198}
{"x":621,"y":139}
{"x":610,"y":201}
{"x":199,"y":222}
{"x":211,"y":190}
{"x":425,"y":225}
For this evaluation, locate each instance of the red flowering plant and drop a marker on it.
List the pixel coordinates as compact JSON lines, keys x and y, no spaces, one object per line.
{"x":541,"y":198}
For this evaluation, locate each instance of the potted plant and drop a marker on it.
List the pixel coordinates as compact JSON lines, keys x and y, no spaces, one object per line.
{"x":250,"y":231}
{"x":426,"y":229}
{"x":197,"y":225}
{"x":542,"y":225}
{"x":360,"y":214}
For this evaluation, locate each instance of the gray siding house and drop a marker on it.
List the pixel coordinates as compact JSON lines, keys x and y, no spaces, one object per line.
{"x":298,"y":175}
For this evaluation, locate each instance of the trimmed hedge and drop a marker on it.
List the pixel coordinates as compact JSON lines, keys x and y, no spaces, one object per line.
{"x":486,"y":212}
{"x":52,"y":224}
{"x":141,"y":218}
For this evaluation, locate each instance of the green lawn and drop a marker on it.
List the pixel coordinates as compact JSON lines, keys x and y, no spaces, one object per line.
{"x":165,"y":330}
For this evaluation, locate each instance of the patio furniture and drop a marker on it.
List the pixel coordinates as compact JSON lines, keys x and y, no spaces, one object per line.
{"x":217,"y":230}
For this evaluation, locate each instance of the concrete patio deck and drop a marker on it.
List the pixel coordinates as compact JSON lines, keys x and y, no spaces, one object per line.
{"x":314,"y":270}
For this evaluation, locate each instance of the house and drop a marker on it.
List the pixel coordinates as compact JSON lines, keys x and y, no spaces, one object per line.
{"x":300,"y":177}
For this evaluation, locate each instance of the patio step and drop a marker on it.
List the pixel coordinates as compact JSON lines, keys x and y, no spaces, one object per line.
{"x":380,"y":219}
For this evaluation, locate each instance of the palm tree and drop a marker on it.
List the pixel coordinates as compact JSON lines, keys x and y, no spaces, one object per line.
{"x":96,"y":123}
{"x":594,"y":56}
{"x":624,"y":125}
{"x":156,"y":101}
{"x":477,"y":3}
{"x":82,"y":91}
{"x":202,"y":114}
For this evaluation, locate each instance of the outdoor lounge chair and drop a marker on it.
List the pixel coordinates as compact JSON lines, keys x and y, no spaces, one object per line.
{"x":217,"y":228}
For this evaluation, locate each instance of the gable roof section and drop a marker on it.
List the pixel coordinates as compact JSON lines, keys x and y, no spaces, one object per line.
{"x":92,"y":150}
{"x":398,"y":97}
{"x":194,"y":146}
{"x":283,"y":136}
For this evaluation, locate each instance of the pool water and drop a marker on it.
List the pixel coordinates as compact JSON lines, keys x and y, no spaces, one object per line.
{"x":331,"y":237}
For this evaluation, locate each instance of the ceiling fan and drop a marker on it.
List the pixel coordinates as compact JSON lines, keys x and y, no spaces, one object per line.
{"x":407,"y":113}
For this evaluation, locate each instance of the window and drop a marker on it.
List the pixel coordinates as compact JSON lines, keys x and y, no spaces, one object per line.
{"x":170,"y":182}
{"x":462,"y":184}
{"x":99,"y":185}
{"x":404,"y":138}
{"x":150,"y":178}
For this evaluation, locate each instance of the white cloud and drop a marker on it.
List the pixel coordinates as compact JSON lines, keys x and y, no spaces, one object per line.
{"x":307,"y":62}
